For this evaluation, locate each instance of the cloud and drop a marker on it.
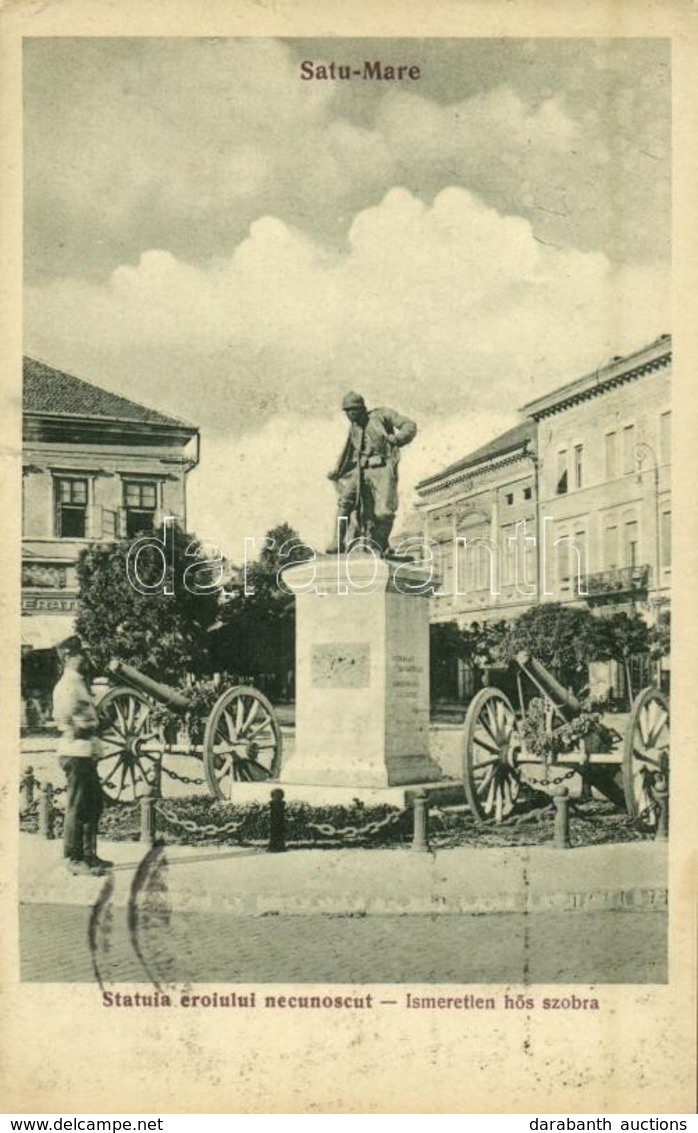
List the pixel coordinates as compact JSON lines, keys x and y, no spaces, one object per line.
{"x":183,"y":144}
{"x":448,"y":312}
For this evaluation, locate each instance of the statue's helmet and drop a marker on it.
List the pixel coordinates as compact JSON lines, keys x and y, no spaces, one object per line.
{"x":353,"y":401}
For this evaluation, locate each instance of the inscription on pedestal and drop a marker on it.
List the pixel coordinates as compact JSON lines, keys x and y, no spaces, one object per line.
{"x":341,"y":666}
{"x":406,"y":674}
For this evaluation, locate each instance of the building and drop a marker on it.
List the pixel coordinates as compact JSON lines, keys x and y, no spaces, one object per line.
{"x":573,"y":505}
{"x":96,"y":467}
{"x":604,"y":456}
{"x":475,"y":516}
{"x":478,"y":517}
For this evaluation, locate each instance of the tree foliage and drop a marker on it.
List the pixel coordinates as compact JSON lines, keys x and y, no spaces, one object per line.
{"x":258,"y":628}
{"x":618,"y":638}
{"x":563,"y":638}
{"x":162,"y":634}
{"x":660,"y":636}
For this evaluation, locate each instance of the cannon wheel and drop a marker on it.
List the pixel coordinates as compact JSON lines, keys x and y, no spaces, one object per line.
{"x":646,"y":753}
{"x":131,"y":746}
{"x":491,"y":747}
{"x":242,"y":741}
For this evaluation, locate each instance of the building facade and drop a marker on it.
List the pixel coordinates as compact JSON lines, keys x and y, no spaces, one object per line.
{"x":604,"y":457}
{"x":478,"y":517}
{"x":573,"y":505}
{"x":96,"y":467}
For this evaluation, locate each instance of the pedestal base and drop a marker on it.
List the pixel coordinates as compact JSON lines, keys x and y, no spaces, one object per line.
{"x":445,"y":792}
{"x":362,"y":675}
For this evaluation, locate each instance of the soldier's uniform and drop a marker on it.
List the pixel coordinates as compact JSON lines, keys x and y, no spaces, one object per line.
{"x":78,"y":750}
{"x":366,"y":472}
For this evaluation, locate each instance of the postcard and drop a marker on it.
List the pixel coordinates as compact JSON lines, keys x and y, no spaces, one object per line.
{"x":350,"y":559}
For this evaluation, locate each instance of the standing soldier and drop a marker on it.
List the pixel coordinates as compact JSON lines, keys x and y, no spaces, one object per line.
{"x":78,"y":750}
{"x":366,"y":473}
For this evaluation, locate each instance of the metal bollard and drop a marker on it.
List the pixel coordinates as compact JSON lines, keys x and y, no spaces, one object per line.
{"x":420,"y":831}
{"x":661,"y":794}
{"x":46,"y":814}
{"x":277,"y":823}
{"x":155,"y":782}
{"x":27,"y":788}
{"x":148,"y":819}
{"x":562,"y":819}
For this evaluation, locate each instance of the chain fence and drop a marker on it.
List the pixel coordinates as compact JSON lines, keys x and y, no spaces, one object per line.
{"x":353,"y":833}
{"x":210,"y":830}
{"x":186,"y":779}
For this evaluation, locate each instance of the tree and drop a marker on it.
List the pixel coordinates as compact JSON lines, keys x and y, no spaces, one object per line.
{"x":660,"y":636}
{"x":163,"y":633}
{"x":257,"y":634}
{"x":619,"y":638}
{"x":561,"y":637}
{"x":478,"y":645}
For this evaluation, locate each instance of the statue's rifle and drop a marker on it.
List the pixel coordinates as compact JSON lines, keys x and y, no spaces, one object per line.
{"x":360,"y":503}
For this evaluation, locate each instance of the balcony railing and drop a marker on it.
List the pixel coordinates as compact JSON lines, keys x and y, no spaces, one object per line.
{"x":619,"y":580}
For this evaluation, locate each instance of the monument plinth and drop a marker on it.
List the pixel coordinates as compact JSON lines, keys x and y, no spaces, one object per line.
{"x":362,"y":674}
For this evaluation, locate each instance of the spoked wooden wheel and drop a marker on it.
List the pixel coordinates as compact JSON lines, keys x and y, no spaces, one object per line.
{"x":242,"y":741}
{"x":646,"y":754}
{"x":491,"y":747}
{"x":131,"y":745}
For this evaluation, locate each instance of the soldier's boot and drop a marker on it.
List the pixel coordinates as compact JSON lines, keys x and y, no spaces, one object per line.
{"x":95,"y":863}
{"x":381,"y":527}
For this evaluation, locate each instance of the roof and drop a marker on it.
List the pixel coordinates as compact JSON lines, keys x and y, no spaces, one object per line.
{"x":517,"y":437}
{"x":55,"y":393}
{"x":616,"y":372}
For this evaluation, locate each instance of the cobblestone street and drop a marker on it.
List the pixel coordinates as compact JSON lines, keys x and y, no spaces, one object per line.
{"x":604,"y":947}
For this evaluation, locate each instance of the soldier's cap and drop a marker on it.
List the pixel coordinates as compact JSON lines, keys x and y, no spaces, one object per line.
{"x":71,"y":646}
{"x":353,"y":401}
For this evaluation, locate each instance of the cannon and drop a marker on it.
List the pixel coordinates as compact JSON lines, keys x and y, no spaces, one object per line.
{"x":241,"y":736}
{"x":498,"y":759}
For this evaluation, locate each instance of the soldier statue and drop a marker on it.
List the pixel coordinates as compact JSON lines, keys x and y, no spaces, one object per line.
{"x":366,"y":475}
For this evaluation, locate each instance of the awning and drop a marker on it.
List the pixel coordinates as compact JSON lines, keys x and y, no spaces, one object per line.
{"x":45,"y":632}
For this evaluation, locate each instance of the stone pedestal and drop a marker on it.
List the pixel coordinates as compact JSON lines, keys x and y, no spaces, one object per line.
{"x":362,"y":676}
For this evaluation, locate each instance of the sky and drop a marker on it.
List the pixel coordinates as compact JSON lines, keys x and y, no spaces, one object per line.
{"x":209,"y":234}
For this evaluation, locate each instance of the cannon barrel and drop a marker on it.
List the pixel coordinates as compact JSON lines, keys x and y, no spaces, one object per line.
{"x":162,"y":693}
{"x":566,"y":701}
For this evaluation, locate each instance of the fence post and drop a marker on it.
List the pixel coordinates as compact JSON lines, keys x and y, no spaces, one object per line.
{"x":277,"y":822}
{"x":661,"y":794}
{"x":562,"y":819}
{"x":155,"y":784}
{"x":27,"y":787}
{"x":148,"y":819}
{"x":46,"y":811}
{"x":420,"y":829}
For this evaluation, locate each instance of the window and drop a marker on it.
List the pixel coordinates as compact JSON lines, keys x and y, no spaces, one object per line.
{"x":529,"y":578}
{"x":71,"y":507}
{"x":629,"y":449}
{"x":563,"y":562}
{"x":578,"y":459}
{"x":665,"y":437}
{"x":578,"y":559}
{"x":140,"y":502}
{"x":631,"y":553}
{"x":510,"y":498}
{"x":611,"y":455}
{"x":508,"y":554}
{"x":528,"y":492}
{"x":561,"y":472}
{"x":610,"y":547}
{"x":666,"y":538}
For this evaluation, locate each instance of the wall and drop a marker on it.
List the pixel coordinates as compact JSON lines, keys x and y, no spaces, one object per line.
{"x":617,"y":504}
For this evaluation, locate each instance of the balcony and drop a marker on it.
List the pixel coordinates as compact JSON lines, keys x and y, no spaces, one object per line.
{"x":618,"y":580}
